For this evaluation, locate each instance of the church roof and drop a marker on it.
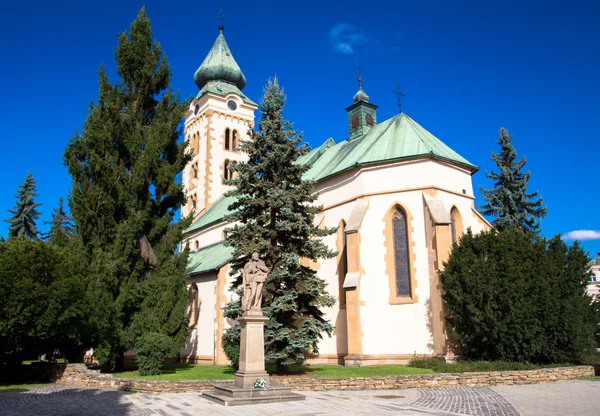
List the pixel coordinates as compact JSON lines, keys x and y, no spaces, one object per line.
{"x":219,"y":65}
{"x":209,"y":258}
{"x":395,"y":139}
{"x":222,"y":89}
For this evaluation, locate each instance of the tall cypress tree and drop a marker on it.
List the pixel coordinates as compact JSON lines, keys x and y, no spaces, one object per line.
{"x":274,"y":213}
{"x":508,"y":202}
{"x":25,"y":214}
{"x":62,"y":228}
{"x":125,"y":166}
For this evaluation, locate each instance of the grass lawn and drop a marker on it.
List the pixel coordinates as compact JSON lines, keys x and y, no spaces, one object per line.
{"x":21,"y":386}
{"x":180,"y":372}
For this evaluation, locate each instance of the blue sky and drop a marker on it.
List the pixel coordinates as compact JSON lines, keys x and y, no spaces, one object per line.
{"x":467,"y":68}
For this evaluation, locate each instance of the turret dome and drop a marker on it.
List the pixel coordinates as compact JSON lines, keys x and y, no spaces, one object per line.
{"x":219,"y":65}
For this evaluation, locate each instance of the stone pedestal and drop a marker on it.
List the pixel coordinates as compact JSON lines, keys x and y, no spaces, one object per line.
{"x":252,"y":350}
{"x":251,"y":368}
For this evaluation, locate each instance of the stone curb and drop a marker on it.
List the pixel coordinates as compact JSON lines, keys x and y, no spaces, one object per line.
{"x":80,"y":375}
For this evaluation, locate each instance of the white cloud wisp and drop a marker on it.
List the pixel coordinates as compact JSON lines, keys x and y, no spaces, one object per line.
{"x":582,"y":235}
{"x":344,"y":38}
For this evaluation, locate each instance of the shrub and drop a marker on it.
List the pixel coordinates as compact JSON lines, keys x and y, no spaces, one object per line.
{"x":509,"y":297}
{"x":231,"y":345}
{"x":150,"y":350}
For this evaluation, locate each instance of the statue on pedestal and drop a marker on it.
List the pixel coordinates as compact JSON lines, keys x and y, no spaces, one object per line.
{"x":254,"y":276}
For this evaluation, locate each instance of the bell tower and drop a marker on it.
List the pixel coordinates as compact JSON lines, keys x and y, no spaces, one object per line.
{"x":215,"y":123}
{"x":362,"y":115}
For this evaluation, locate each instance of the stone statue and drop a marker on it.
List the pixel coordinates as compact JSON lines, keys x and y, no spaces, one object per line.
{"x":254,"y":275}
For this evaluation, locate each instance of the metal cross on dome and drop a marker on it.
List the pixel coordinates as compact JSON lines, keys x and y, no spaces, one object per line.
{"x":221,"y":16}
{"x":359,"y":77}
{"x":400,"y":94}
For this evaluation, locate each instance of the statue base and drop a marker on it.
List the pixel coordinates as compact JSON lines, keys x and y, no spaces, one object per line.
{"x":251,"y":368}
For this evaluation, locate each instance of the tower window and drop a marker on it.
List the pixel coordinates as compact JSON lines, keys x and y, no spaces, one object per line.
{"x":369,"y":120}
{"x":195,"y":170}
{"x":234,"y":140}
{"x":355,"y":122}
{"x":197,"y":245}
{"x":227,"y":174}
{"x":227,"y":139}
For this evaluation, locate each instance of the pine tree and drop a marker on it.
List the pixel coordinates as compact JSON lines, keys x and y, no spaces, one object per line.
{"x":62,"y":228}
{"x":508,"y":202}
{"x":126,"y":165}
{"x":274,"y":214}
{"x":25,"y":214}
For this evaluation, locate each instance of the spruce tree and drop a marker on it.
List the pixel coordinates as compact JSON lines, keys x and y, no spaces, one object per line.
{"x":61,"y":227}
{"x":274,"y":212}
{"x":25,"y":214}
{"x":126,"y":165}
{"x":508,"y":201}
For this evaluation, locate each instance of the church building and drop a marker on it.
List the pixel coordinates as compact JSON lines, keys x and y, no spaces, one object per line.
{"x":399,"y":196}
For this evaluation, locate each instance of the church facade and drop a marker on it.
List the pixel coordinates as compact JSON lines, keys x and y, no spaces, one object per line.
{"x":398,"y":196}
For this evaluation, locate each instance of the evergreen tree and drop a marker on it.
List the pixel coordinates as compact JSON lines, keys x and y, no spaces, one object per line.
{"x":25,"y":214}
{"x":508,"y":202}
{"x":126,"y":165}
{"x":61,"y":226}
{"x":274,"y":216}
{"x":509,"y":297}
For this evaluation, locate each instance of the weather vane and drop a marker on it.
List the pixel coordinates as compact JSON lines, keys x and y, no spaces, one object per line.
{"x":400,"y":94}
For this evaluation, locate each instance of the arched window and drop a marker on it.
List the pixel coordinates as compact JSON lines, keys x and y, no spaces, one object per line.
{"x":226,"y":171}
{"x":342,"y":259}
{"x":196,"y":245}
{"x":369,"y":120}
{"x":193,"y":306}
{"x":234,"y":141}
{"x":355,"y":122}
{"x":401,"y":255}
{"x":227,"y":144}
{"x":456,"y":226}
{"x":193,"y":202}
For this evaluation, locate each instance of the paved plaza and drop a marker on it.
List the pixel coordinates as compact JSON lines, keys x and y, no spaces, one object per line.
{"x":577,"y":397}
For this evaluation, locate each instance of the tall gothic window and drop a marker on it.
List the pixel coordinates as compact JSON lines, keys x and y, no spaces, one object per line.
{"x":227,"y":139}
{"x":342,"y":269}
{"x":193,"y":306}
{"x":401,"y":255}
{"x":234,"y":138}
{"x":453,"y":226}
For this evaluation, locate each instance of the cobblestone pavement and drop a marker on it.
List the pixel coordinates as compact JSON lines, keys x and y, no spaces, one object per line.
{"x":578,"y":397}
{"x":573,"y":398}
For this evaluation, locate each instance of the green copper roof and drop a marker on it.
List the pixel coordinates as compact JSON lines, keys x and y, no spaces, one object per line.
{"x":316,"y":153}
{"x":209,"y":258}
{"x":222,"y":89}
{"x":219,"y":65}
{"x":214,"y":214}
{"x":397,"y":138}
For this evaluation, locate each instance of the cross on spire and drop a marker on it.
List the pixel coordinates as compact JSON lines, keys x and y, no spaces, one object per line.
{"x":359,"y":77}
{"x":400,"y":94}
{"x":221,"y":16}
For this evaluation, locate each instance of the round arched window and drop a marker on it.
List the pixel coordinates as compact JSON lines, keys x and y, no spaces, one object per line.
{"x":196,"y":245}
{"x":369,"y":120}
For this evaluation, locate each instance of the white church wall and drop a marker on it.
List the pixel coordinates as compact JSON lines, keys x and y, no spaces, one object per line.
{"x":399,"y":177}
{"x":201,"y":340}
{"x":207,"y":236}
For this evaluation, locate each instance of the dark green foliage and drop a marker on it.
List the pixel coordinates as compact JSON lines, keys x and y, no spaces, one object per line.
{"x":275,"y":212}
{"x":42,"y":301}
{"x":231,"y":345}
{"x":512,"y":298}
{"x":150,"y":350}
{"x":25,"y":214}
{"x":508,"y":202}
{"x":125,"y":166}
{"x":62,"y":228}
